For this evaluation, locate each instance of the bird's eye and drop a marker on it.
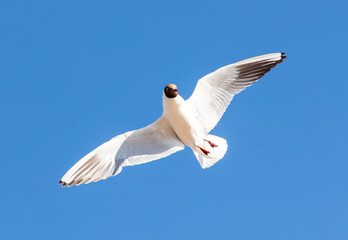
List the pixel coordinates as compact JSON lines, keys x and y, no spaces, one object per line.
{"x":167,"y":89}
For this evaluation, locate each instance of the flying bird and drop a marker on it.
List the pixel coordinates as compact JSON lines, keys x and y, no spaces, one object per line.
{"x":182,"y":123}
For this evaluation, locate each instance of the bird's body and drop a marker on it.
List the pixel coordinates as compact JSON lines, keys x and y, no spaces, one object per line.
{"x":182,"y":120}
{"x":180,"y":115}
{"x":182,"y":123}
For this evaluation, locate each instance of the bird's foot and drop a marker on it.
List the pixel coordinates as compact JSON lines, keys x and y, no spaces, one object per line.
{"x":203,"y":150}
{"x":211,"y":144}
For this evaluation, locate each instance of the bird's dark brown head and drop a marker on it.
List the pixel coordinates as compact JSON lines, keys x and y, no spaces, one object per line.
{"x":171,"y":91}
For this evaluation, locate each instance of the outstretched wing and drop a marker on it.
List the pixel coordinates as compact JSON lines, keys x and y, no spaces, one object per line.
{"x":153,"y":142}
{"x":215,"y":91}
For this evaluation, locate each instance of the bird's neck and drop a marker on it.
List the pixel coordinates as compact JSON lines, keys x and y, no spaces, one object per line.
{"x":171,"y":103}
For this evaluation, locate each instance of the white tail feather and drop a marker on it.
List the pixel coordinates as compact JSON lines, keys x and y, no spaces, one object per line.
{"x":215,"y":153}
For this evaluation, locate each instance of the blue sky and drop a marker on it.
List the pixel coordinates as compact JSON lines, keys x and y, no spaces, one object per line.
{"x":70,"y":75}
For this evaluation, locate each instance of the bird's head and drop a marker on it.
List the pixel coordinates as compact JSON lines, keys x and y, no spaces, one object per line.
{"x":171,"y":91}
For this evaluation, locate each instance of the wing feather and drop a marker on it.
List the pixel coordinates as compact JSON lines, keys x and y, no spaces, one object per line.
{"x":215,"y":91}
{"x":153,"y":142}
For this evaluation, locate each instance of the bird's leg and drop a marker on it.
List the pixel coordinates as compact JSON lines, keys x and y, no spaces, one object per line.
{"x":203,"y":150}
{"x":211,"y":144}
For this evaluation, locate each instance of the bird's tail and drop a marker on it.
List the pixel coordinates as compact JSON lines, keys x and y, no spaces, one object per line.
{"x":212,"y":150}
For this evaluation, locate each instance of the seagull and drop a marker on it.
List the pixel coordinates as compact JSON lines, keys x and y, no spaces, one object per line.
{"x":182,"y":123}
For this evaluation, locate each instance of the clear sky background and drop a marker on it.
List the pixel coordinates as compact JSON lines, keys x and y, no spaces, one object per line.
{"x":76,"y":73}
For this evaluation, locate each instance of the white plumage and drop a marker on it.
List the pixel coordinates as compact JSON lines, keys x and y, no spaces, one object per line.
{"x":182,"y":123}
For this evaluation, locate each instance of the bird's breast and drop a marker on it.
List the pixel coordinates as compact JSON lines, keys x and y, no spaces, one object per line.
{"x":183,"y":122}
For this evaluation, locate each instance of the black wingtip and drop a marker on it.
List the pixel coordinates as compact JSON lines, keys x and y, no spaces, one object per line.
{"x":63,"y":183}
{"x":283,"y":55}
